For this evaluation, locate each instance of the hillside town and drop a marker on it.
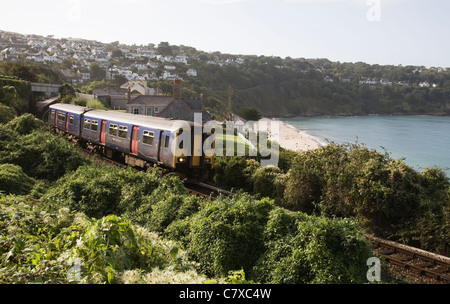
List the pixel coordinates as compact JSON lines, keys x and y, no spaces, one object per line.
{"x":141,"y":63}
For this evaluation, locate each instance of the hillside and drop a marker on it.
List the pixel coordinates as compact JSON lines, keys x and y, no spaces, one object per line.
{"x":276,"y":86}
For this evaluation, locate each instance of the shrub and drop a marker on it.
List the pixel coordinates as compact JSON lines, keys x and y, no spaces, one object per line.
{"x":145,"y":197}
{"x":6,"y":113}
{"x":14,"y":181}
{"x":303,"y":249}
{"x":43,"y":242}
{"x":387,"y":196}
{"x":264,"y":181}
{"x":24,"y":124}
{"x":234,"y":172}
{"x":42,"y":155}
{"x":80,"y":101}
{"x":227,"y":234}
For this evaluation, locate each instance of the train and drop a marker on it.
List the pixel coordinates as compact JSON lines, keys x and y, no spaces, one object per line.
{"x":138,"y":140}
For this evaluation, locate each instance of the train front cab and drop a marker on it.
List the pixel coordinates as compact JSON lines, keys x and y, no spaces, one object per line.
{"x":192,"y":162}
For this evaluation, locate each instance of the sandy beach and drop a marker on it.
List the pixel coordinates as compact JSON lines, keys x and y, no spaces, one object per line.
{"x":291,"y":139}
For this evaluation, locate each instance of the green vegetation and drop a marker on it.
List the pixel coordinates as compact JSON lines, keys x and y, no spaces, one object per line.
{"x":75,"y":221}
{"x":14,"y":95}
{"x":385,"y":195}
{"x":303,"y":87}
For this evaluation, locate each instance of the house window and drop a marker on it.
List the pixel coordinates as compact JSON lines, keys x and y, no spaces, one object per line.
{"x":136,"y":111}
{"x":87,"y":124}
{"x":148,"y":138}
{"x":156,"y":110}
{"x":123,"y":131}
{"x":149,"y":111}
{"x":71,"y":120}
{"x":166,"y":142}
{"x":94,"y":125}
{"x":113,"y":130}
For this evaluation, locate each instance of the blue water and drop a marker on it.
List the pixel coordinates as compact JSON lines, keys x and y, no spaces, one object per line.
{"x":422,"y":141}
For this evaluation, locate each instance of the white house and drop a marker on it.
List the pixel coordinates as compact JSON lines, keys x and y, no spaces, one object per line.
{"x":192,"y":72}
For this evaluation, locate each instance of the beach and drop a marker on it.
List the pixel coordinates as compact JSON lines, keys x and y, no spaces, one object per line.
{"x":290,"y":138}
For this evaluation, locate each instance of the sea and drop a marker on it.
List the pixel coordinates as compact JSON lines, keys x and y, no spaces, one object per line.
{"x":421,"y":141}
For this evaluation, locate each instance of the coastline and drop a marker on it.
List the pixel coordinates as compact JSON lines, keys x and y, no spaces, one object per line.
{"x":291,"y":138}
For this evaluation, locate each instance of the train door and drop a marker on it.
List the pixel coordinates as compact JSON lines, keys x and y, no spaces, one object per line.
{"x":134,"y":140}
{"x":67,"y":122}
{"x":103,"y":133}
{"x":163,"y":148}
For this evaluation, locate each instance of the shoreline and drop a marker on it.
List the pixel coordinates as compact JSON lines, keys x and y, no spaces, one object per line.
{"x":292,"y":139}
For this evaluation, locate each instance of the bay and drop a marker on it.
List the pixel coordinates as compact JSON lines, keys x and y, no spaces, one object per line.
{"x":422,"y":141}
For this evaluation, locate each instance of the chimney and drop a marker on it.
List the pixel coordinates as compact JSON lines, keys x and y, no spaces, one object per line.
{"x":177,"y":89}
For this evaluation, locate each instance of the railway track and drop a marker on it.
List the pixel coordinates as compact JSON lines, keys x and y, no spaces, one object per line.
{"x":414,"y":261}
{"x":198,"y":188}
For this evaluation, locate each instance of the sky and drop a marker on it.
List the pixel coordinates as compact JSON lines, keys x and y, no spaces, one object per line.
{"x":394,"y":32}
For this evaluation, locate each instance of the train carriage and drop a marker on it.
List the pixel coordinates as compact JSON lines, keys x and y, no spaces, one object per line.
{"x":139,"y":140}
{"x":66,"y":118}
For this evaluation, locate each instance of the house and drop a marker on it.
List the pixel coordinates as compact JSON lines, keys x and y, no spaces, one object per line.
{"x":174,"y":107}
{"x":117,"y":98}
{"x":192,"y":72}
{"x":140,"y":87}
{"x":328,"y":78}
{"x":167,"y":107}
{"x":84,"y":75}
{"x":69,"y":76}
{"x":240,"y":124}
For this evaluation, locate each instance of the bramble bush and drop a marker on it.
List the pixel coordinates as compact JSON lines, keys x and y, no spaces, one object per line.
{"x":43,"y":242}
{"x":14,"y":181}
{"x":40,"y":154}
{"x":227,"y":234}
{"x":303,"y":249}
{"x":388,"y":197}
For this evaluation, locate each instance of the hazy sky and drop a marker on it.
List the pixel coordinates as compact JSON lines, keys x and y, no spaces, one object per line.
{"x":415,"y":32}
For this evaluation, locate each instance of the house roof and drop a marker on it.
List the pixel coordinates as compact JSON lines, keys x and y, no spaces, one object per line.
{"x":194,"y":104}
{"x":152,"y":100}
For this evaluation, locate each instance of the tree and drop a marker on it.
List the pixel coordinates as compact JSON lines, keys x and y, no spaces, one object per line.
{"x":164,"y":49}
{"x":250,"y":114}
{"x":66,"y":93}
{"x":97,"y":73}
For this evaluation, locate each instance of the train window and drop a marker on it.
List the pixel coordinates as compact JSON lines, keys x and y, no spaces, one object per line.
{"x":113,"y":130}
{"x":123,"y":131}
{"x":71,"y":119}
{"x":94,"y":125}
{"x":52,"y":117}
{"x":61,"y":117}
{"x":166,"y":142}
{"x":148,"y":138}
{"x":87,"y":124}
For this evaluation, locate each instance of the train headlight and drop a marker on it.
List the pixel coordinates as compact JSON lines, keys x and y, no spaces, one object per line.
{"x":182,"y":159}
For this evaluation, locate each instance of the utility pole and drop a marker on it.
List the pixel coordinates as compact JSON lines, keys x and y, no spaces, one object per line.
{"x":230,"y":108}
